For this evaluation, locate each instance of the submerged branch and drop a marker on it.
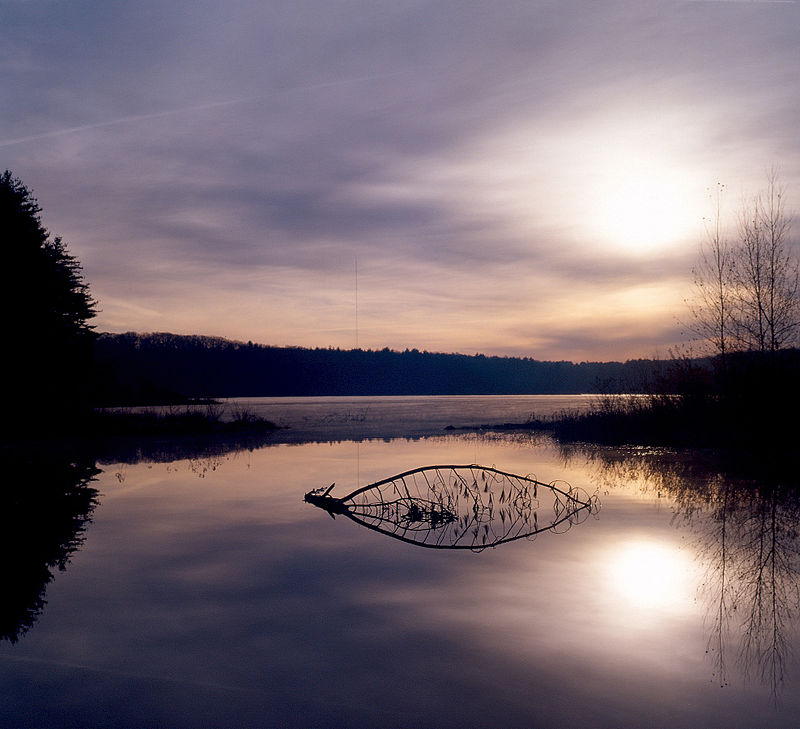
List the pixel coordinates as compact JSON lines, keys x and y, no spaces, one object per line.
{"x":459,"y":506}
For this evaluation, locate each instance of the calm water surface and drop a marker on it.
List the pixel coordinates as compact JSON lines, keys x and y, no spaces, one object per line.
{"x":208,"y":594}
{"x":330,"y":418}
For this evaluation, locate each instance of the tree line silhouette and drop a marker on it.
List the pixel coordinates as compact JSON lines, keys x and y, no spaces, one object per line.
{"x":152,"y":368}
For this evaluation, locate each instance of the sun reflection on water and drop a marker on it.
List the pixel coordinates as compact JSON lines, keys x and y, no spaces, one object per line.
{"x":650,"y":574}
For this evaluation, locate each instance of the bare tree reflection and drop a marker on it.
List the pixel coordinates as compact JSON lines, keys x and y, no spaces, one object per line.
{"x":767,"y":571}
{"x":460,"y":507}
{"x":747,"y":538}
{"x":47,"y":502}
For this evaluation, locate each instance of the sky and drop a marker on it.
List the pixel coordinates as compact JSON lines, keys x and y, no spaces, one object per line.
{"x":523,"y":178}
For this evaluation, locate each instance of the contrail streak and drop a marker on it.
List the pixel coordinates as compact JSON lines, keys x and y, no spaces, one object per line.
{"x":184,"y":109}
{"x":124,"y":120}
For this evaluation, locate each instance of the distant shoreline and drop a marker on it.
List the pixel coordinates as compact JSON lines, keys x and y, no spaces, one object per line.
{"x":136,"y":369}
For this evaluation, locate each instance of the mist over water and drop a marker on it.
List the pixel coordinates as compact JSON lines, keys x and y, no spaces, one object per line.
{"x":206,"y":592}
{"x":401,"y":416}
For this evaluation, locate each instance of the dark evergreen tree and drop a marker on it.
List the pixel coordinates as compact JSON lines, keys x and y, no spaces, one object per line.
{"x":47,"y":308}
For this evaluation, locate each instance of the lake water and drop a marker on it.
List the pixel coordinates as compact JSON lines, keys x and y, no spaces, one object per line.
{"x":332,"y":418}
{"x":207,"y":593}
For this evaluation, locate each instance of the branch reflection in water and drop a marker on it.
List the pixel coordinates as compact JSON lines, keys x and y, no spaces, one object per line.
{"x":747,"y":540}
{"x":460,"y":507}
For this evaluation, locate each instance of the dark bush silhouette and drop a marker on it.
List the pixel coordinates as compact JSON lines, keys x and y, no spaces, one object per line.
{"x":47,"y":307}
{"x":748,"y":406}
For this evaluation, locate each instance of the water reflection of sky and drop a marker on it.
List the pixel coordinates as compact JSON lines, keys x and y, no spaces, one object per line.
{"x":207,"y":594}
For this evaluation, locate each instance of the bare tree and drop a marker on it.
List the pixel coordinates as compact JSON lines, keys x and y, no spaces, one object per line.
{"x":711,"y":307}
{"x":767,"y":311}
{"x":748,"y":295}
{"x":782,"y":306}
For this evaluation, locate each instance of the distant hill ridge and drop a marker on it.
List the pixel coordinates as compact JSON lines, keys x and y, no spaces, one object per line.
{"x":160,"y":367}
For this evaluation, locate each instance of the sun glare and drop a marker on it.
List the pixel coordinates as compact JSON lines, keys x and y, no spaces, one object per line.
{"x":642,"y":214}
{"x":627,"y":182}
{"x":643,"y":205}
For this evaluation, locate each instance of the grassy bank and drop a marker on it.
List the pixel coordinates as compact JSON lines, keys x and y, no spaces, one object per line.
{"x":188,"y":420}
{"x":639,"y":420}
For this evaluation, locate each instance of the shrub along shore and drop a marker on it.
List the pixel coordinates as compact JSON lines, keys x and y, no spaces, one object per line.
{"x":746,"y":409}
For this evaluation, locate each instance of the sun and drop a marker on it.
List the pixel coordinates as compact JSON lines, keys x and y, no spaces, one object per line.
{"x":642,"y":214}
{"x":642,"y":206}
{"x":633,"y":182}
